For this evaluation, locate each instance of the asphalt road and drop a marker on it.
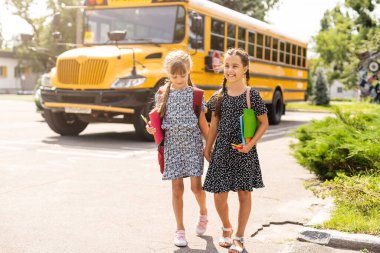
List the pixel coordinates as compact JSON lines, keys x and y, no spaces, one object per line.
{"x":102,"y":192}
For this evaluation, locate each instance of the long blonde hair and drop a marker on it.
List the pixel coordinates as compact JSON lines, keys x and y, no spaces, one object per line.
{"x":177,"y":62}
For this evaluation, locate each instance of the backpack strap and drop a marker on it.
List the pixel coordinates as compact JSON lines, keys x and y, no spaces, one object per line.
{"x":248,"y":97}
{"x":197,"y":101}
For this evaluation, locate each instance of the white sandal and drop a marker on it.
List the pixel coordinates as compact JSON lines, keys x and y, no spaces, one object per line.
{"x":235,"y":247}
{"x":226,"y":242}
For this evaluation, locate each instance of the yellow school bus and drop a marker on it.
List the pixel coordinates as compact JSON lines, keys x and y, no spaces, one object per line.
{"x":113,"y":77}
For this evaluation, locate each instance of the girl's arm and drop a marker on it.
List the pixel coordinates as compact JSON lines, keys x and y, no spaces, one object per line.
{"x":211,"y":136}
{"x":263,"y":121}
{"x":203,"y":125}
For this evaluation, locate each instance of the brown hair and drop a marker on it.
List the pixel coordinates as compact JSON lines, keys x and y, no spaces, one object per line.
{"x":245,"y":61}
{"x":176,"y":63}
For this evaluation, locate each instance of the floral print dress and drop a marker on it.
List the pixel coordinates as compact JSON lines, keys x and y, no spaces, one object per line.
{"x":183,"y":152}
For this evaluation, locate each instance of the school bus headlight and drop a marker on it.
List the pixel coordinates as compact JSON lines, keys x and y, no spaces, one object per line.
{"x":123,"y":83}
{"x":45,"y":80}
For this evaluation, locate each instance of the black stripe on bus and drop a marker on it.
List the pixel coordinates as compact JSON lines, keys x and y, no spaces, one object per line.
{"x":278,"y":77}
{"x":213,"y":87}
{"x":294,"y":90}
{"x":277,"y":64}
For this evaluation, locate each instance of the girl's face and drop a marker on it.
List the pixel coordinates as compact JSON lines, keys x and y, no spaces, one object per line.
{"x":234,"y":71}
{"x":179,"y":81}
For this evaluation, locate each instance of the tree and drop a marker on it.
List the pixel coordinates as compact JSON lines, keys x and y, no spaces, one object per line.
{"x":43,"y":28}
{"x":344,"y":33}
{"x":321,"y":95}
{"x":1,"y":37}
{"x":254,"y":8}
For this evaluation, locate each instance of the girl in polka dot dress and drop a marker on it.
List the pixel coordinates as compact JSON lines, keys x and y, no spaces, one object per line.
{"x":233,"y":169}
{"x":183,"y":152}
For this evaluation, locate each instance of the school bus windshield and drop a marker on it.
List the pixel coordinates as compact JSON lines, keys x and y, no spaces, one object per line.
{"x":161,"y":24}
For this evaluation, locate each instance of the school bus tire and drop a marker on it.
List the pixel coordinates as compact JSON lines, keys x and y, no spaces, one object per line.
{"x":63,"y":123}
{"x":276,"y":109}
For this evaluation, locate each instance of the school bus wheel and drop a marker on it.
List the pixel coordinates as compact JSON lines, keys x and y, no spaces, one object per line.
{"x":64,"y":123}
{"x":275,"y":109}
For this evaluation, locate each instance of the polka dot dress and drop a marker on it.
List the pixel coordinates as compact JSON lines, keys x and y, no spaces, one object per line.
{"x":183,"y":152}
{"x":229,"y":169}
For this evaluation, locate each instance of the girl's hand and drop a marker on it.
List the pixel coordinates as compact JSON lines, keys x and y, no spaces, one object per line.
{"x":149,"y":128}
{"x":207,"y":153}
{"x":244,"y":148}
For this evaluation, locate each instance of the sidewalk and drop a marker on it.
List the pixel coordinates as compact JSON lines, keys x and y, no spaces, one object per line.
{"x":103,"y":193}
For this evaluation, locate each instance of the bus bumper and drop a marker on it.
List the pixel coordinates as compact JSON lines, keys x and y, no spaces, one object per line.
{"x":119,"y":101}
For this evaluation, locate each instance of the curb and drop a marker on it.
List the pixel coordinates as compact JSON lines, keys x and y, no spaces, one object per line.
{"x":311,"y":111}
{"x":337,"y":239}
{"x":333,"y":238}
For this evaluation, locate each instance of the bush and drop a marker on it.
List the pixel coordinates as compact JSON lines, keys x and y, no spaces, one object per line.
{"x":349,"y":143}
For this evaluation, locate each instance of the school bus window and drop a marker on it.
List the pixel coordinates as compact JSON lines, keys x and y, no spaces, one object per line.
{"x":275,"y":49}
{"x":287,"y":56}
{"x":241,"y":38}
{"x":282,"y":51}
{"x":231,"y":35}
{"x":294,"y":48}
{"x":158,"y":24}
{"x":251,"y":43}
{"x":259,"y":46}
{"x":268,"y":41}
{"x":298,"y":56}
{"x":303,"y":57}
{"x":179,"y":33}
{"x":217,"y":35}
{"x":192,"y":43}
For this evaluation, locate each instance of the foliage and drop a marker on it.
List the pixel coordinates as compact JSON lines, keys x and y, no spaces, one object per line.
{"x":1,"y":37}
{"x":321,"y":93}
{"x":348,"y":143}
{"x":344,"y":33}
{"x":357,"y":203}
{"x":254,"y":8}
{"x":42,"y":29}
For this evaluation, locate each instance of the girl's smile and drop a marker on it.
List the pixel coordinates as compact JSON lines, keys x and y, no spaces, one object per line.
{"x":233,"y":69}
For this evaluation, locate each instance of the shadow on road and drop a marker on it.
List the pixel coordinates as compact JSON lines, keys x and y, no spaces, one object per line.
{"x":283,"y":129}
{"x":210,"y":247}
{"x":129,"y":140}
{"x":107,"y":140}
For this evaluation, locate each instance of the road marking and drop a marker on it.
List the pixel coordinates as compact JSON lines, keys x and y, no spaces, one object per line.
{"x":115,"y":155}
{"x":12,"y":148}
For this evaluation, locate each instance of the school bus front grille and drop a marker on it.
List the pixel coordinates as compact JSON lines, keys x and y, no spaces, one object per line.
{"x":90,"y":72}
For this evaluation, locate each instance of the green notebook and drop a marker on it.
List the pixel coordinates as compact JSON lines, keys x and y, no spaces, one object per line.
{"x":249,"y":122}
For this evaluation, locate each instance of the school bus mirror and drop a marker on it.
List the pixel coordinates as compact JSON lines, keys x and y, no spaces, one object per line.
{"x":57,"y":36}
{"x":25,"y":38}
{"x":196,"y":44}
{"x":117,"y":35}
{"x":57,"y":19}
{"x":196,"y":24}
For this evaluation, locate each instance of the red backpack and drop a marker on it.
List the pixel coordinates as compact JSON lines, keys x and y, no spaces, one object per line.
{"x":197,"y":107}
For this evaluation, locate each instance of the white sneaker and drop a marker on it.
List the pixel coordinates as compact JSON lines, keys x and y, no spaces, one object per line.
{"x":180,"y":238}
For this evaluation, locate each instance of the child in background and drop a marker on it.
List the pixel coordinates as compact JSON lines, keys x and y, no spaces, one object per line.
{"x":233,"y":168}
{"x":183,"y":152}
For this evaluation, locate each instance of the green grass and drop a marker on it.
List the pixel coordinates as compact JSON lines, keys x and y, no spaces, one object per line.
{"x":16,"y":97}
{"x":343,"y":106}
{"x":347,"y":219}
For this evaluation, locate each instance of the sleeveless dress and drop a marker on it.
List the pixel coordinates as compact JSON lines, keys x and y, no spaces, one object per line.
{"x":230,"y":170}
{"x":183,"y":151}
